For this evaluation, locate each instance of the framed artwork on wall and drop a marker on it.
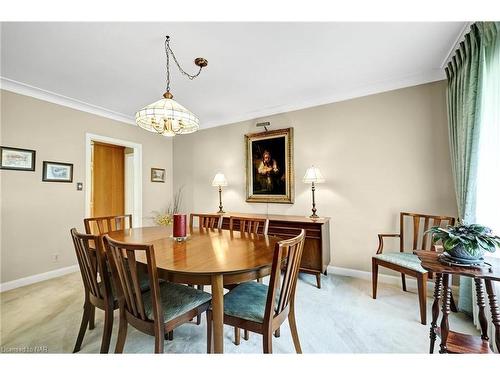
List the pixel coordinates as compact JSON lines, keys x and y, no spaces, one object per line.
{"x":17,"y":159}
{"x":57,"y":172}
{"x":269,"y":166}
{"x":158,"y":175}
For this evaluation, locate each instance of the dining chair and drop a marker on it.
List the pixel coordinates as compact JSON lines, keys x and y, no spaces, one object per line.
{"x":157,"y":311}
{"x":104,"y":224}
{"x":206,"y":221}
{"x":98,"y":290}
{"x":261,"y":308}
{"x":249,"y":225}
{"x":408,"y":263}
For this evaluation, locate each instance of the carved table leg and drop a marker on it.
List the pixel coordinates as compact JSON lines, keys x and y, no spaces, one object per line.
{"x":481,"y":304}
{"x":435,"y":310}
{"x":445,"y":326}
{"x":495,"y":312}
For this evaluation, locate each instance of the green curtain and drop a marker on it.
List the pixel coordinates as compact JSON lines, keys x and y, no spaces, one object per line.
{"x":464,"y":98}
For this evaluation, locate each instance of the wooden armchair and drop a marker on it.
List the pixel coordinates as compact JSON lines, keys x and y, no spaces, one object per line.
{"x":262,"y":309}
{"x":408,"y":263}
{"x":104,"y":224}
{"x":249,"y":225}
{"x":206,"y":221}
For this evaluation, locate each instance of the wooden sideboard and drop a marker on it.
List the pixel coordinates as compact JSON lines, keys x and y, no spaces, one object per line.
{"x":316,"y":255}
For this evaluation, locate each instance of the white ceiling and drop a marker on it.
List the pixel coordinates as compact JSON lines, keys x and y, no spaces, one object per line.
{"x":254,"y":69}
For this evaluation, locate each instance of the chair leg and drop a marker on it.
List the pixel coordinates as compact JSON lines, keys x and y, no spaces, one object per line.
{"x":318,"y":280}
{"x":422,"y":297}
{"x":236,"y":336}
{"x":83,"y":326}
{"x":198,"y":317}
{"x":246,"y":334}
{"x":108,"y":327}
{"x":122,"y":332}
{"x":403,"y":281}
{"x":259,"y":280}
{"x":293,"y":328}
{"x":277,"y":333}
{"x":267,"y":342}
{"x":453,"y":306}
{"x":92,"y":317}
{"x":209,"y":331}
{"x":159,"y":342}
{"x":374,"y":277}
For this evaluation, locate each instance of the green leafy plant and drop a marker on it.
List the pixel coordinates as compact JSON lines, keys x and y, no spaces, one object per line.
{"x":473,"y":238}
{"x":166,"y":217}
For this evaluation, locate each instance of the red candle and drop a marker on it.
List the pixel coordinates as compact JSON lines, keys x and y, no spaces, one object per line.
{"x":180,"y":225}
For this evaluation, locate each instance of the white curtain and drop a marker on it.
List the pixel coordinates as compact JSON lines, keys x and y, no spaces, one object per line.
{"x":488,"y":183}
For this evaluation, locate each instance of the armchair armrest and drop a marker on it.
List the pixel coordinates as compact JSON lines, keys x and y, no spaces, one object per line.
{"x":381,"y":241}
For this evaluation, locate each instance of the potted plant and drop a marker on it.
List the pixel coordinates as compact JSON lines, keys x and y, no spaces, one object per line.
{"x":466,"y":242}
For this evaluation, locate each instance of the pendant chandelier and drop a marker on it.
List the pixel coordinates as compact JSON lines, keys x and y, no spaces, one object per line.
{"x":166,"y":116}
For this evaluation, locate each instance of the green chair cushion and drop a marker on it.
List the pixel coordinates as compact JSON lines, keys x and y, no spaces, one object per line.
{"x":176,"y":299}
{"x":406,"y":260}
{"x":247,"y":301}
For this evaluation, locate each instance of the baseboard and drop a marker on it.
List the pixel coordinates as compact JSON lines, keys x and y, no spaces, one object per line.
{"x":37,"y":278}
{"x":384,"y":279}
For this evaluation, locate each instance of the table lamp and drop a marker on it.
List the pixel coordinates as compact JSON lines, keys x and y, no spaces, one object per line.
{"x":313,"y":175}
{"x":220,"y":181}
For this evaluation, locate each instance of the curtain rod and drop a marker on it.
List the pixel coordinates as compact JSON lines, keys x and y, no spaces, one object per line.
{"x":454,"y":47}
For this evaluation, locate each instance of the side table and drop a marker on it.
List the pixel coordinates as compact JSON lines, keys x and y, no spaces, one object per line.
{"x":455,"y":342}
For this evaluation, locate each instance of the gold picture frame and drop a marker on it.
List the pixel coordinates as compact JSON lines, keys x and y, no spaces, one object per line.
{"x":269,"y":166}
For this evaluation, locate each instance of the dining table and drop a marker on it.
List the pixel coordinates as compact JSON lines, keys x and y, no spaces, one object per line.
{"x":213,"y":257}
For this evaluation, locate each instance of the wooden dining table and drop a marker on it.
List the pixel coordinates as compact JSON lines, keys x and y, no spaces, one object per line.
{"x":212,"y":257}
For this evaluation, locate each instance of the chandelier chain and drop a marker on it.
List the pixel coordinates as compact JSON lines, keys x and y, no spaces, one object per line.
{"x":169,"y":51}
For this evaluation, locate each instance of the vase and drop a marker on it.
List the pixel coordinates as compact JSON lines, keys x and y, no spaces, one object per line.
{"x":459,"y":252}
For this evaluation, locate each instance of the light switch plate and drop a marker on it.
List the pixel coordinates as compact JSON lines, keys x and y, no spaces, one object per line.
{"x":79,"y":186}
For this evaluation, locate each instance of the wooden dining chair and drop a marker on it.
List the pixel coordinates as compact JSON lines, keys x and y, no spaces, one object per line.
{"x":260,"y":308}
{"x":206,"y":221}
{"x":408,"y":263}
{"x":98,"y":289}
{"x":157,"y":311}
{"x":105,"y":224}
{"x":249,"y":225}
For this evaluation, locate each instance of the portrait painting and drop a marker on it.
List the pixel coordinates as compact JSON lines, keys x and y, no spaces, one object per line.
{"x":270,"y":166}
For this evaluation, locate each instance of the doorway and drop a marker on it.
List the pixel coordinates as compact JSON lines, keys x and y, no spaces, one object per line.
{"x":113,"y":178}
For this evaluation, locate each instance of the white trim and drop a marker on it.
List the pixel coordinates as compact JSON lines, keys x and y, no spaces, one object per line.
{"x":461,"y":35}
{"x":9,"y":285}
{"x":384,"y":279}
{"x":52,"y":97}
{"x":370,"y":89}
{"x":137,"y":211}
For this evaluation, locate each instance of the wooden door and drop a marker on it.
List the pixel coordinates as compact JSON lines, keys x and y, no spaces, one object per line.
{"x":108,"y":180}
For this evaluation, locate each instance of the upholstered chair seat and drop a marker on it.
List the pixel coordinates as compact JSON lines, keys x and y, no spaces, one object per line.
{"x":247,"y":301}
{"x":406,"y":260}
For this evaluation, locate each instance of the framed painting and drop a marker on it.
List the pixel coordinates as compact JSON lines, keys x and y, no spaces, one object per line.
{"x":157,"y":175}
{"x":269,"y":166}
{"x":17,"y":159}
{"x":57,"y":172}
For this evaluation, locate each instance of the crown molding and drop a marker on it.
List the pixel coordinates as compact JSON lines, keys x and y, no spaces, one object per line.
{"x":374,"y":88}
{"x":52,"y":97}
{"x":460,"y":37}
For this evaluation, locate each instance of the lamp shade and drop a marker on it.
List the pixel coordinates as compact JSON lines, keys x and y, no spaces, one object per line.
{"x":167,"y":117}
{"x":219,"y":180}
{"x":313,"y":174}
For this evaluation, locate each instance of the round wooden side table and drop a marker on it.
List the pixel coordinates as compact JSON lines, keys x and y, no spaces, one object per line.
{"x":455,"y":342}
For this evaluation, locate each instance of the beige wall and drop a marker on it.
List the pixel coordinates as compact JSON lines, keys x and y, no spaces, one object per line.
{"x":36,"y":216}
{"x":380,"y":154}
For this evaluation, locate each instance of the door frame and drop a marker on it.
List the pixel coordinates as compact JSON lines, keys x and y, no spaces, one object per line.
{"x":137,"y":210}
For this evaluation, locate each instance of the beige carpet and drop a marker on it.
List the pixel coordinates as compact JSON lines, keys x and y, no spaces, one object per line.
{"x":340,"y":318}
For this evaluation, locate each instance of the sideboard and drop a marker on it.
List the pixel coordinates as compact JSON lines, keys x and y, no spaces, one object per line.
{"x":316,"y":254}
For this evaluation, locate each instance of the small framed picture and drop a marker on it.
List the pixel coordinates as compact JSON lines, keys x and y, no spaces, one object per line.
{"x":17,"y":159}
{"x":157,"y":175}
{"x":57,"y":172}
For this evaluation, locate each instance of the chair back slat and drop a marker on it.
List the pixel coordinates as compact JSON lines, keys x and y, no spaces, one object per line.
{"x":92,"y":264}
{"x":249,"y":225}
{"x":105,"y":224}
{"x":284,"y":285}
{"x":123,"y":259}
{"x":206,"y":221}
{"x":420,"y":240}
